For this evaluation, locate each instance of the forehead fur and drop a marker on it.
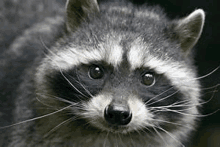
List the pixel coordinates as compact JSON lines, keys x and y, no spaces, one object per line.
{"x":101,"y":37}
{"x":109,"y":51}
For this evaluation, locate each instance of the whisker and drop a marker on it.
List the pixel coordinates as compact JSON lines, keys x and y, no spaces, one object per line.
{"x":163,"y":98}
{"x":213,"y":94}
{"x":158,"y":95}
{"x":204,"y":76}
{"x":199,"y":104}
{"x":83,"y":86}
{"x":201,"y":77}
{"x":147,"y":130}
{"x":175,"y":104}
{"x":160,"y":135}
{"x":204,"y":88}
{"x":55,"y":128}
{"x":178,"y":124}
{"x":36,"y":118}
{"x":171,"y":135}
{"x":48,"y":96}
{"x":186,"y":103}
{"x":116,"y":140}
{"x":120,"y":138}
{"x":194,"y":115}
{"x":90,"y":121}
{"x":106,"y":139}
{"x":137,"y":130}
{"x":44,"y":103}
{"x":72,"y":84}
{"x":211,"y":87}
{"x":132,"y":141}
{"x":44,"y":45}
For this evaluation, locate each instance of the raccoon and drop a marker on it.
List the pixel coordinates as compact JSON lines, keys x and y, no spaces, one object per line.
{"x":112,"y":74}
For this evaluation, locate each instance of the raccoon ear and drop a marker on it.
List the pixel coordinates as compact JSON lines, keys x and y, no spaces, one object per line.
{"x":77,"y":10}
{"x":189,"y":29}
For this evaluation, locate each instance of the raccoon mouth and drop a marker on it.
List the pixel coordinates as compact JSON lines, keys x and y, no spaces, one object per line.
{"x":113,"y":128}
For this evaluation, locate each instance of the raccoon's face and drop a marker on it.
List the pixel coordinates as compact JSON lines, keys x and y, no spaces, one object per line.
{"x":121,"y":81}
{"x":122,"y":90}
{"x":119,"y":89}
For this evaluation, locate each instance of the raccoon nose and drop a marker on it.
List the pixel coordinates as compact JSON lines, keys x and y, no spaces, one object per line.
{"x":117,"y":115}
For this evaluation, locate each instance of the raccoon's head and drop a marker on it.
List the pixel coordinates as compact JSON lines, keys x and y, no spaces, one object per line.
{"x":123,"y":69}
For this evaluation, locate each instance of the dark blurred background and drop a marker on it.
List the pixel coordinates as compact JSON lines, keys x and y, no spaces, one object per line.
{"x":207,"y":55}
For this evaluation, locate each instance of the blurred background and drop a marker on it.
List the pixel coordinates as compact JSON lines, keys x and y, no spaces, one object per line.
{"x":207,"y":58}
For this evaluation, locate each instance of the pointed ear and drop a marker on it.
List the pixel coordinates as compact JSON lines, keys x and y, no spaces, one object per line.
{"x":189,"y":29}
{"x":77,"y":10}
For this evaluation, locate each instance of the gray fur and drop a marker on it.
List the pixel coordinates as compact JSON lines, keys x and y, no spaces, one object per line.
{"x":124,"y":36}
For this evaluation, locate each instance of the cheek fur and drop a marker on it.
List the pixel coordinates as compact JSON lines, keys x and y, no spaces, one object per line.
{"x":141,"y":115}
{"x":94,"y":109}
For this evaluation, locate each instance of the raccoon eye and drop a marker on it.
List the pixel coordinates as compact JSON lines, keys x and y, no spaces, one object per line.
{"x":96,"y":72}
{"x":148,"y":79}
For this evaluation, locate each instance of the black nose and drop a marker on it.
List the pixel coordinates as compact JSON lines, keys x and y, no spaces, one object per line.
{"x":117,"y":115}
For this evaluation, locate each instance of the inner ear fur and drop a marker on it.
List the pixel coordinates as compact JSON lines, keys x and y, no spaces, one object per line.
{"x":78,"y":10}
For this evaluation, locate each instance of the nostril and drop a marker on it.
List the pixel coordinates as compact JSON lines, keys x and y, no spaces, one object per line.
{"x":117,"y":115}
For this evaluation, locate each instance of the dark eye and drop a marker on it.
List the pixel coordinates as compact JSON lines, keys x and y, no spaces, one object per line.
{"x":148,"y":79}
{"x":96,"y":72}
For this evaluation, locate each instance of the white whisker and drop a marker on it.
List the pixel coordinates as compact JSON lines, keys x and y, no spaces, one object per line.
{"x":116,"y":140}
{"x":71,"y":84}
{"x":120,"y":138}
{"x":175,"y":104}
{"x":182,"y":113}
{"x":132,"y":141}
{"x":84,"y":87}
{"x":146,"y":127}
{"x":171,"y":135}
{"x":164,"y":98}
{"x":168,"y":122}
{"x":201,"y":77}
{"x":47,"y":96}
{"x":158,"y":133}
{"x":211,"y":87}
{"x":204,"y":76}
{"x":185,"y":103}
{"x":59,"y":125}
{"x":36,"y":118}
{"x":137,"y":130}
{"x":44,"y":103}
{"x":104,"y":144}
{"x":158,"y":95}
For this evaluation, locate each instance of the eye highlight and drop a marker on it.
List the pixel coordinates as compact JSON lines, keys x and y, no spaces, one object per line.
{"x":96,"y":72}
{"x":148,"y":79}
